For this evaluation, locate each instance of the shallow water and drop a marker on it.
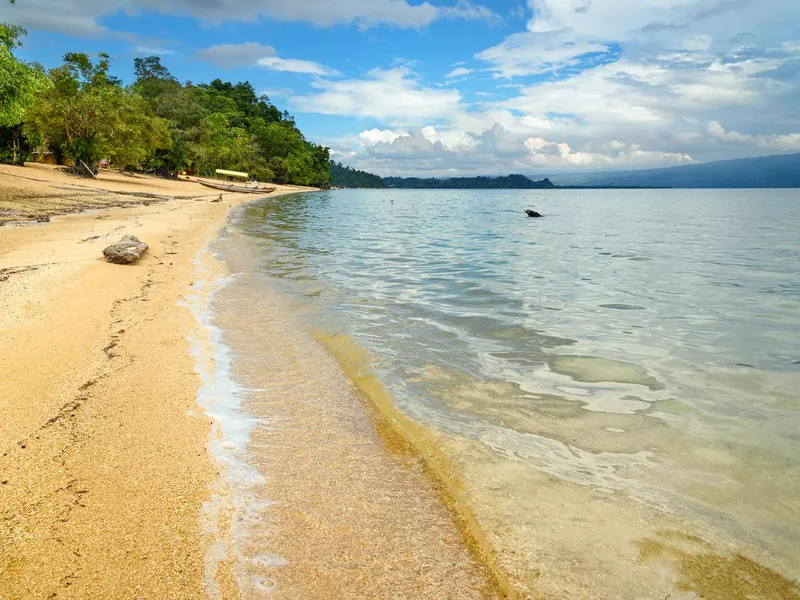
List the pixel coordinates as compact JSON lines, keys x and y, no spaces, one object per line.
{"x":615,"y":386}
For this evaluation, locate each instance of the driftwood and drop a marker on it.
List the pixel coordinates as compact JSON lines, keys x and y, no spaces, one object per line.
{"x":126,"y":251}
{"x":85,"y":166}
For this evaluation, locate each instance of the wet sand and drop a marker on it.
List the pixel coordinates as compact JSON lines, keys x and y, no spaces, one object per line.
{"x":340,"y":511}
{"x":104,"y":466}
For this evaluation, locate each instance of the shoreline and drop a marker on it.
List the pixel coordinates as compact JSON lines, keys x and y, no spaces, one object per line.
{"x":104,"y":467}
{"x":119,"y":475}
{"x":340,"y":512}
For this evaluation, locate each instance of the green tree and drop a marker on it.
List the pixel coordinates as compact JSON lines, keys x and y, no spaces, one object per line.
{"x":20,"y":82}
{"x":72,"y":114}
{"x":136,"y":133}
{"x":87,"y":115}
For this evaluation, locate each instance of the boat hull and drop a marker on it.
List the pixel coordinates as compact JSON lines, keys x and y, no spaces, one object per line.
{"x":236,"y":188}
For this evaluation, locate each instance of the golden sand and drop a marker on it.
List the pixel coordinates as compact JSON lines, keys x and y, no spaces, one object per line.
{"x":103,"y":461}
{"x":106,"y":481}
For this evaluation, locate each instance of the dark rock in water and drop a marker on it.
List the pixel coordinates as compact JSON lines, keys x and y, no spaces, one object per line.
{"x":126,"y":251}
{"x":532,"y":213}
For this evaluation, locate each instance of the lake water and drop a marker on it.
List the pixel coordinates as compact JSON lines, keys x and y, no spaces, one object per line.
{"x":611,"y":393}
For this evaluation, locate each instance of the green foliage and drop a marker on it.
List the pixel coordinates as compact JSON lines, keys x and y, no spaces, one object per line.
{"x":161,"y":125}
{"x":510,"y":182}
{"x":347,"y":177}
{"x":20,"y":82}
{"x":136,"y":133}
{"x":225,"y":125}
{"x":87,"y":116}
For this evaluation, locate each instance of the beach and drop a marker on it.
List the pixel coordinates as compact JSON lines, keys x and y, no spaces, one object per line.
{"x":104,"y":465}
{"x":109,"y":483}
{"x":316,"y":397}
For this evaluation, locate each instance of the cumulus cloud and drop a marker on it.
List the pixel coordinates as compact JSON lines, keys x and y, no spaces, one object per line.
{"x":370,"y":137}
{"x":789,"y":142}
{"x":236,"y":55}
{"x":433,"y":151}
{"x":387,"y":95}
{"x":550,"y":154}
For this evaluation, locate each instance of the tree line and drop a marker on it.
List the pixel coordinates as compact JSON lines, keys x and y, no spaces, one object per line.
{"x":348,"y":177}
{"x":84,"y":115}
{"x":508,"y":182}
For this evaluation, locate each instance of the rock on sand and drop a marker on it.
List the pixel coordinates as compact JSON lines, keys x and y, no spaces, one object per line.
{"x":126,"y":251}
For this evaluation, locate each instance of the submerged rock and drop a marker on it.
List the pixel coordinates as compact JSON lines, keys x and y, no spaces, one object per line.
{"x":126,"y":251}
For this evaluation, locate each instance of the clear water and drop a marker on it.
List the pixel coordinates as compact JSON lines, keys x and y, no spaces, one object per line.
{"x":636,"y":353}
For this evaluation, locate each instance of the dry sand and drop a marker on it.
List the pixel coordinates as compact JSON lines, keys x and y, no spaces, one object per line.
{"x":103,"y":460}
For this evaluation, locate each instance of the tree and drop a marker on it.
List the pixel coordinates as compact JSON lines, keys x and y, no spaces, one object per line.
{"x":87,"y":115}
{"x":136,"y":133}
{"x":343,"y":176}
{"x":20,"y":82}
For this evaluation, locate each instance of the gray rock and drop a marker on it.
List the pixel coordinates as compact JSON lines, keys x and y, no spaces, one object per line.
{"x":126,"y":251}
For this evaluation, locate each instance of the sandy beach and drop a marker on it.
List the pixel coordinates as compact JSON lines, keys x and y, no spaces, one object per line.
{"x":104,"y":467}
{"x":108,"y":487}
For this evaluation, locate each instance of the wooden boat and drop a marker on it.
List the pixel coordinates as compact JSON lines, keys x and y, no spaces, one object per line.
{"x":236,"y":189}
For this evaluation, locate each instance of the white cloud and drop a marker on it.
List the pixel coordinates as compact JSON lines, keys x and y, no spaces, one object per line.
{"x":789,"y":142}
{"x":69,"y":17}
{"x":618,"y":84}
{"x":532,"y":53}
{"x":236,"y":55}
{"x":152,"y":51}
{"x":387,"y":95}
{"x":550,"y":154}
{"x":464,"y":9}
{"x":370,"y":137}
{"x":433,"y":151}
{"x":84,"y":17}
{"x":458,"y":73}
{"x":295,"y":65}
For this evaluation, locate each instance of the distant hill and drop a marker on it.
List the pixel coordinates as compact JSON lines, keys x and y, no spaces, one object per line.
{"x":347,"y":177}
{"x":782,"y":170}
{"x":509,"y":182}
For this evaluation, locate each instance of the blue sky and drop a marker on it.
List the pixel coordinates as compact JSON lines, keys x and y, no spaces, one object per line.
{"x":455,"y":87}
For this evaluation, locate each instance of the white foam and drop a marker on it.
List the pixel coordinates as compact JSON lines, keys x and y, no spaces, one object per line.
{"x":220,"y":396}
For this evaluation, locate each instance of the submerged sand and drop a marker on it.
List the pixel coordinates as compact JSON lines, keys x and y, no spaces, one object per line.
{"x":105,"y":475}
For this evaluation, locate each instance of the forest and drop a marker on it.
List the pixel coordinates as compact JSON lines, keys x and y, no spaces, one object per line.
{"x":348,"y":177}
{"x":83,"y":115}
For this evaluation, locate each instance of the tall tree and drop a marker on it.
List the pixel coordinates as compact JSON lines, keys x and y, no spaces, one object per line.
{"x":87,"y":115}
{"x":20,"y":82}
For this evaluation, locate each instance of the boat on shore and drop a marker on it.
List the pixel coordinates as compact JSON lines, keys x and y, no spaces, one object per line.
{"x":238,"y":189}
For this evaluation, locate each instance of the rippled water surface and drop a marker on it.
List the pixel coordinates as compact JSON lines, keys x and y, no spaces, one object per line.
{"x":629,"y":362}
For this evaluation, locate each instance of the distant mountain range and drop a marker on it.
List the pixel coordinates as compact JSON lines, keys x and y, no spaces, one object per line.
{"x":510,"y":182}
{"x":781,"y":170}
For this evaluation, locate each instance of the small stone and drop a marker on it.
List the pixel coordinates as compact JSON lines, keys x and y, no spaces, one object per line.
{"x":126,"y":251}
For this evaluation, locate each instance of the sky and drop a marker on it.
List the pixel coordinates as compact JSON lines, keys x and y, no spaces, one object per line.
{"x":456,"y":87}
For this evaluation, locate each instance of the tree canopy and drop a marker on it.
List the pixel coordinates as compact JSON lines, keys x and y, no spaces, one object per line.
{"x":81,"y":112}
{"x":348,"y":177}
{"x":20,"y":82}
